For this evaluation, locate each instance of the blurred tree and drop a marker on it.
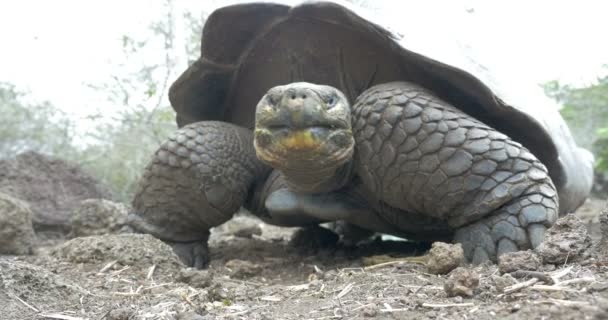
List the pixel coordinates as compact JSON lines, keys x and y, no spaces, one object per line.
{"x":585,"y":109}
{"x":26,"y":125}
{"x":116,"y":147}
{"x":124,"y":144}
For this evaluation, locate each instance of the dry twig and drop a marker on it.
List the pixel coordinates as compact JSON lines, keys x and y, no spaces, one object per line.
{"x":150,"y":272}
{"x":24,"y":303}
{"x":59,"y":316}
{"x":108,"y":266}
{"x":560,"y":274}
{"x":345,"y":291}
{"x":519,"y":286}
{"x":566,"y":303}
{"x":447,"y":305}
{"x":519,"y":274}
{"x":540,"y":287}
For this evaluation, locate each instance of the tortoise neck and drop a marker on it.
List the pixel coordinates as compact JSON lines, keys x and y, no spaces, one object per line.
{"x":318,"y":180}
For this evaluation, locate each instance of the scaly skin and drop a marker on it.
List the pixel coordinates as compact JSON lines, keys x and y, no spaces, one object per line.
{"x":419,"y":154}
{"x":197,"y":180}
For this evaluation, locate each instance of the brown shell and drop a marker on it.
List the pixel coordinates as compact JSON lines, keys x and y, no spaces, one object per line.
{"x":249,"y":48}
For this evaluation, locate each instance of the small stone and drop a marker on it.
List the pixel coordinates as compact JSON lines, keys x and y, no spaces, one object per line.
{"x":519,"y":260}
{"x":195,"y":278}
{"x":220,"y":294}
{"x":462,"y":282}
{"x":243,"y":269}
{"x":598,"y":287}
{"x":16,"y":230}
{"x":501,"y":282}
{"x":516,"y":307}
{"x":97,"y":217}
{"x":248,"y":232}
{"x":566,"y":241}
{"x":371,"y":310}
{"x":444,"y":257}
{"x":191,"y":316}
{"x":120,"y":314}
{"x":603,"y":217}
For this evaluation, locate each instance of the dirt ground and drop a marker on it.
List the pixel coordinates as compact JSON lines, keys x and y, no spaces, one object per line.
{"x":256,"y":273}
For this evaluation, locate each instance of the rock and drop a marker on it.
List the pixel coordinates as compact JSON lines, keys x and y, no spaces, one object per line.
{"x":444,"y":257}
{"x":566,"y":240}
{"x":371,"y":310}
{"x":603,"y":218}
{"x":52,"y":188}
{"x":248,"y":231}
{"x":195,"y":278}
{"x":16,"y":231}
{"x":218,"y":292}
{"x":501,"y":282}
{"x":519,"y":260}
{"x":137,"y":250}
{"x":243,"y":269}
{"x":97,"y":217}
{"x":598,"y":287}
{"x":191,"y":316}
{"x":461,"y":282}
{"x":120,"y":314}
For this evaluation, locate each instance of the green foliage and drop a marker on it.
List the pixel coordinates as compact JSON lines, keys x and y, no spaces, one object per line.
{"x":125,"y":143}
{"x":585,"y":109}
{"x":602,"y":149}
{"x":125,"y":146}
{"x":193,"y":42}
{"x":37,"y":126}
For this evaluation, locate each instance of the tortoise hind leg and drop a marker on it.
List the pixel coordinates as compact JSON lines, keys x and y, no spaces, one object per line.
{"x":197,"y":180}
{"x":518,"y":225}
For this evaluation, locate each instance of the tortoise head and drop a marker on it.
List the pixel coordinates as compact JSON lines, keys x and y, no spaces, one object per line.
{"x":303,"y":127}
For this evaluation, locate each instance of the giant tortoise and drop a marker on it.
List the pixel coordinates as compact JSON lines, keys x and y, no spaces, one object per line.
{"x":317,"y":113}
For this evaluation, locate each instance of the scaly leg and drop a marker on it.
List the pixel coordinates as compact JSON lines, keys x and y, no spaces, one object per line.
{"x":197,"y":180}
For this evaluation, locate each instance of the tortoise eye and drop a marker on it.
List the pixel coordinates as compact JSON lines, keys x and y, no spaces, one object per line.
{"x":331,"y":101}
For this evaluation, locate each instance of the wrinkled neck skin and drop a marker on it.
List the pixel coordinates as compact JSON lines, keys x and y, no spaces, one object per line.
{"x":317,"y":180}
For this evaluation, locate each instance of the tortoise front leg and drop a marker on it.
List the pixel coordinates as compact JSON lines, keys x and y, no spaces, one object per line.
{"x":419,"y":154}
{"x":196,"y":180}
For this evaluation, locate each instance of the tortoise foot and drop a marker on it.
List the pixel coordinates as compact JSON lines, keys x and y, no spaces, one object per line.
{"x":314,"y":237}
{"x":193,"y":254}
{"x":519,"y":225}
{"x":351,"y":234}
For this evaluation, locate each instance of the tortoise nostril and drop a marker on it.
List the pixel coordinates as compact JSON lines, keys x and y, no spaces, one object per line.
{"x":293,"y":97}
{"x":303,"y":96}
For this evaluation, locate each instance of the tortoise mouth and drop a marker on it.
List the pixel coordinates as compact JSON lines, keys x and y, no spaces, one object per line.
{"x":320,"y":127}
{"x":308,"y":147}
{"x":315,"y":138}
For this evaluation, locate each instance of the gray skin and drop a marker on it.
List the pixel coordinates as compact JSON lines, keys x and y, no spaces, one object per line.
{"x":400,"y":161}
{"x":409,"y":145}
